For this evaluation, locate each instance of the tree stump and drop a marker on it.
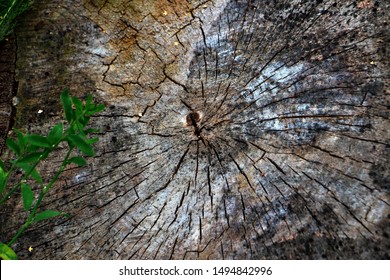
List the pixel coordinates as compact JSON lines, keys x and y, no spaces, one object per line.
{"x":233,"y":130}
{"x":7,"y":86}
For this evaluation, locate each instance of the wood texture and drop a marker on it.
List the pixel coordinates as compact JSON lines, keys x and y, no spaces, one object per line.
{"x":233,"y":129}
{"x":8,"y":86}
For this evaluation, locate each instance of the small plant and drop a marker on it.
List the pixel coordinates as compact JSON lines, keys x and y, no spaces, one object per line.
{"x":31,"y":149}
{"x":9,"y":10}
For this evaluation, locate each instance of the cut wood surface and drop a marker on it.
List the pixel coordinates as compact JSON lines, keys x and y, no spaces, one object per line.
{"x":7,"y":86}
{"x":233,"y":129}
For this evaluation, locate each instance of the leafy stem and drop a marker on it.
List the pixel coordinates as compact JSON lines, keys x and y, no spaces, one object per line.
{"x":31,"y":149}
{"x":3,"y":17}
{"x":24,"y":178}
{"x":43,"y":192}
{"x":9,"y":10}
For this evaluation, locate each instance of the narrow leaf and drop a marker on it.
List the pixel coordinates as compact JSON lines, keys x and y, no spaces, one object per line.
{"x":78,"y":105}
{"x":28,"y":196}
{"x":47,"y":214}
{"x":92,"y":140}
{"x":33,"y":148}
{"x":26,"y":167}
{"x":32,"y":157}
{"x":67,"y":105}
{"x":81,"y":144}
{"x":100,"y":107}
{"x":21,"y":139}
{"x":84,"y":121}
{"x":88,"y":103}
{"x":6,"y":253}
{"x":55,"y":134}
{"x":2,"y":177}
{"x":80,"y":130}
{"x":79,"y":161}
{"x":13,"y":146}
{"x":71,"y":130}
{"x":95,"y":109}
{"x":38,"y":140}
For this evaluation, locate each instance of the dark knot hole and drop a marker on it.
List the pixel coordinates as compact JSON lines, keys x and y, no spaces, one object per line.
{"x":193,"y":119}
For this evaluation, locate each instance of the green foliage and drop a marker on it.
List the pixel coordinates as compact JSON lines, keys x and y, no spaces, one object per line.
{"x":31,"y":149}
{"x":47,"y":214}
{"x":82,"y":144}
{"x":6,"y":253}
{"x":9,"y":10}
{"x":3,"y":176}
{"x":27,"y":196}
{"x":78,"y":160}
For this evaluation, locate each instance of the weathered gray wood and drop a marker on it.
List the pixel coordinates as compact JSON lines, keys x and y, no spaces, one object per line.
{"x":233,"y":129}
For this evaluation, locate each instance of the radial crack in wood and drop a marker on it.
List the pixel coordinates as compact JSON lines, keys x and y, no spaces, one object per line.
{"x":234,"y":129}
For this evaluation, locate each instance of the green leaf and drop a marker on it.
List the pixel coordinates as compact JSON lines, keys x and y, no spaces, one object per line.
{"x":13,"y":146}
{"x":32,"y":157}
{"x":47,"y":214}
{"x":88,"y":103}
{"x":95,"y":109}
{"x":21,"y":139}
{"x":79,"y":130}
{"x":78,"y":104}
{"x":78,"y":160}
{"x":67,"y":105}
{"x":100,"y":108}
{"x":84,"y":121}
{"x":3,"y":176}
{"x":33,"y":148}
{"x":38,"y":140}
{"x":81,"y":144}
{"x":92,"y":140}
{"x":55,"y":134}
{"x":71,"y":130}
{"x":79,"y":125}
{"x":26,"y":167}
{"x":27,"y":196}
{"x":6,"y":253}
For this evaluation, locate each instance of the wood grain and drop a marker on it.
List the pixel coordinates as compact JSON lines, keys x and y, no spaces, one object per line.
{"x":233,"y":129}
